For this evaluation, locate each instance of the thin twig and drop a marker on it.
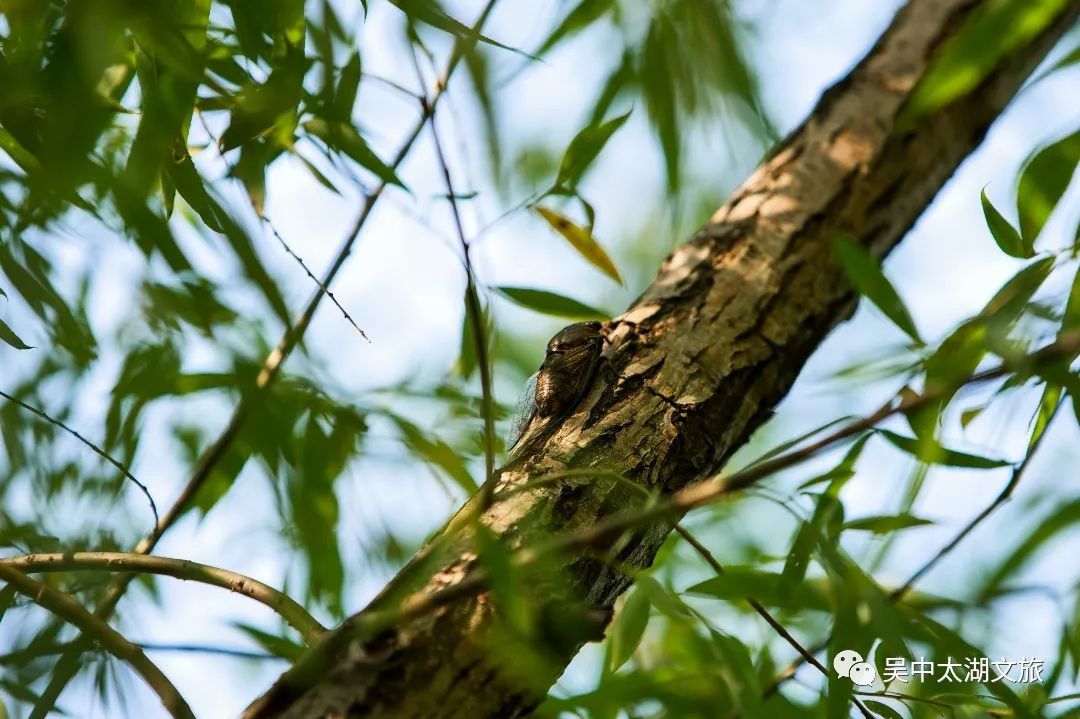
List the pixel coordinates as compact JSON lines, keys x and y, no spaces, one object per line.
{"x":274,"y":230}
{"x":475,"y":315}
{"x":97,"y":450}
{"x":321,"y":285}
{"x":68,"y":664}
{"x":65,"y":607}
{"x":289,"y":610}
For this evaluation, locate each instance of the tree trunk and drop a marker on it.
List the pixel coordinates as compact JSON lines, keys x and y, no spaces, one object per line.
{"x":688,"y":372}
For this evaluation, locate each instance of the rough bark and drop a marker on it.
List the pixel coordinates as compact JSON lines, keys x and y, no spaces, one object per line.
{"x":690,"y":370}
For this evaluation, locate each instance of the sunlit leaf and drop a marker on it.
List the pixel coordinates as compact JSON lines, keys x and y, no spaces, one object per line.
{"x":1043,"y":182}
{"x":769,"y":588}
{"x":993,"y":31}
{"x":582,"y":241}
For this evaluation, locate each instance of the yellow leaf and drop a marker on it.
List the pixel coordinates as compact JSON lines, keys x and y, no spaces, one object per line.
{"x":582,"y":241}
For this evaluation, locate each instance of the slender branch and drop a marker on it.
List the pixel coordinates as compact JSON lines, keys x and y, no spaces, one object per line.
{"x":68,"y":664}
{"x":65,"y":607}
{"x":321,"y":285}
{"x":764,"y":613}
{"x":281,"y":603}
{"x":475,"y":315}
{"x":97,"y":450}
{"x":274,"y":230}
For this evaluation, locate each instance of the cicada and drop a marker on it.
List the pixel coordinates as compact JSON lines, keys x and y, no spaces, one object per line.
{"x":562,"y":379}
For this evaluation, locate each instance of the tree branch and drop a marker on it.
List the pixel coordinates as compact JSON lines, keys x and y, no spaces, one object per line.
{"x":281,"y":603}
{"x":65,"y":607}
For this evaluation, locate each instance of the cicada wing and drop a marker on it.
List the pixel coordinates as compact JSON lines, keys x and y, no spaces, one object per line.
{"x":523,"y":412}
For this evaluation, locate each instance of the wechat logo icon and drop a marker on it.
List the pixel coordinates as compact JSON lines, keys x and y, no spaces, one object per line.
{"x":850,"y":665}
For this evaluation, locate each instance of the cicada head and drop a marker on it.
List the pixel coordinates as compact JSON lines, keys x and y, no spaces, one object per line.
{"x":575,"y":336}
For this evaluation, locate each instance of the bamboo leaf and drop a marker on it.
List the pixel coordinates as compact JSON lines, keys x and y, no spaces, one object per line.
{"x":628,"y":629}
{"x":886,"y":524}
{"x":8,"y":336}
{"x":584,"y":149}
{"x":1005,"y":235}
{"x":866,"y":276}
{"x":1043,"y":182}
{"x":344,"y":137}
{"x":549,"y":303}
{"x":933,"y":453}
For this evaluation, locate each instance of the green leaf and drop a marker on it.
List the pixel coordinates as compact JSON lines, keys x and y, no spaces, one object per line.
{"x":866,"y":276}
{"x":769,"y":588}
{"x":1010,"y":300}
{"x":990,"y":34}
{"x":886,"y":524}
{"x":628,"y":629}
{"x":437,"y":453}
{"x":505,"y":580}
{"x":431,"y":13}
{"x":7,"y":598}
{"x":8,"y":335}
{"x":584,"y":149}
{"x":347,"y":86}
{"x":344,"y":137}
{"x":584,"y":14}
{"x":662,"y":598}
{"x":1061,"y":519}
{"x":19,"y":154}
{"x":1005,"y":235}
{"x":1048,"y":404}
{"x":241,"y":245}
{"x":1043,"y":182}
{"x":189,"y":184}
{"x":933,"y":453}
{"x":277,"y":645}
{"x":582,"y":241}
{"x":882,"y":710}
{"x":549,"y":303}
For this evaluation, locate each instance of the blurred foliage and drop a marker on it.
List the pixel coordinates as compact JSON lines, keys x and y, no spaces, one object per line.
{"x":125,"y":129}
